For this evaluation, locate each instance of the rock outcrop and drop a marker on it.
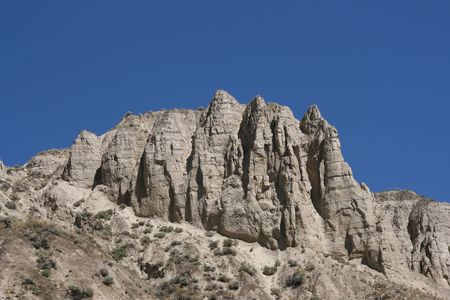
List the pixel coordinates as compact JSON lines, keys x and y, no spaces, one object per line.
{"x":249,"y":172}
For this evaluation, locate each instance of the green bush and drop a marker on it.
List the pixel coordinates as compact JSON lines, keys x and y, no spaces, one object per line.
{"x":181,"y":280}
{"x":104,"y":214}
{"x":178,"y":230}
{"x":118,"y":253}
{"x":268,"y":271}
{"x":224,"y":251}
{"x":228,"y":251}
{"x":275,"y":291}
{"x":28,"y":281}
{"x":292,"y":263}
{"x":175,"y":243}
{"x":76,"y":293}
{"x":160,"y":235}
{"x":247,"y":268}
{"x":295,"y":280}
{"x":166,"y":229}
{"x":228,"y":243}
{"x":208,"y":268}
{"x":223,"y":278}
{"x":213,"y":244}
{"x":104,"y":272}
{"x":46,"y":272}
{"x":145,"y":240}
{"x":45,"y":262}
{"x":108,"y":280}
{"x":209,"y":233}
{"x":10,"y":205}
{"x":309,"y":267}
{"x":234,"y":285}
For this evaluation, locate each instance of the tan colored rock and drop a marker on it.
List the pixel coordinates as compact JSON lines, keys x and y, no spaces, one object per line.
{"x":120,"y":159}
{"x":253,"y":173}
{"x":345,"y":206}
{"x":85,"y":159}
{"x":162,"y":180}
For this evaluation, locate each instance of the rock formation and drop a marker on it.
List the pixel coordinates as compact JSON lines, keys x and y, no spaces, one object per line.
{"x":249,"y":172}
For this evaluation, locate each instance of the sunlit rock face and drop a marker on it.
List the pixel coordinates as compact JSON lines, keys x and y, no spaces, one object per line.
{"x":256,"y":173}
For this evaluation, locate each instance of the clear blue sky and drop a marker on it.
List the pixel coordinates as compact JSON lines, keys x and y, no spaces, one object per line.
{"x":379,"y":71}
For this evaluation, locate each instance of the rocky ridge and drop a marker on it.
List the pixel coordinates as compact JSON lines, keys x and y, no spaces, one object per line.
{"x":252,"y":173}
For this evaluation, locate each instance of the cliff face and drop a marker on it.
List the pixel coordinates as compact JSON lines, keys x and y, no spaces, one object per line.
{"x":251,"y":172}
{"x":254,"y":173}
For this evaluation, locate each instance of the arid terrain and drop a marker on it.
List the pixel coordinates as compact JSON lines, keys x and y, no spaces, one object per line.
{"x":229,"y":202}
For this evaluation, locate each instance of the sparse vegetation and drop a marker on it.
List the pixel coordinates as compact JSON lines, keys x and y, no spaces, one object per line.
{"x":104,"y":214}
{"x":224,"y":251}
{"x":166,"y":229}
{"x":6,"y":221}
{"x":309,"y":267}
{"x":294,"y":280}
{"x":28,"y":281}
{"x":78,"y":203}
{"x":108,"y":280}
{"x":228,"y":251}
{"x":292,"y":263}
{"x":223,"y":278}
{"x":175,"y":243}
{"x":234,"y":285}
{"x":209,"y":233}
{"x":275,"y":291}
{"x":228,"y":243}
{"x":45,"y":273}
{"x":77,"y":293}
{"x":45,"y":264}
{"x":179,"y":286}
{"x":178,"y":230}
{"x":208,"y":268}
{"x":211,"y":286}
{"x":213,"y":244}
{"x":247,"y":268}
{"x":268,"y":271}
{"x":159,"y":235}
{"x":15,"y":197}
{"x":104,"y":272}
{"x":145,"y":240}
{"x":10,"y":205}
{"x":119,"y":252}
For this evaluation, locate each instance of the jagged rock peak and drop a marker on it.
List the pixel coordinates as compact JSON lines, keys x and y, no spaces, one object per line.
{"x":222,"y":97}
{"x":313,"y":113}
{"x":257,"y":103}
{"x":313,"y":123}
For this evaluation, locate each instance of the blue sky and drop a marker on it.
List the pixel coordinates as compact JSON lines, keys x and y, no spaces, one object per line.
{"x":379,"y":71}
